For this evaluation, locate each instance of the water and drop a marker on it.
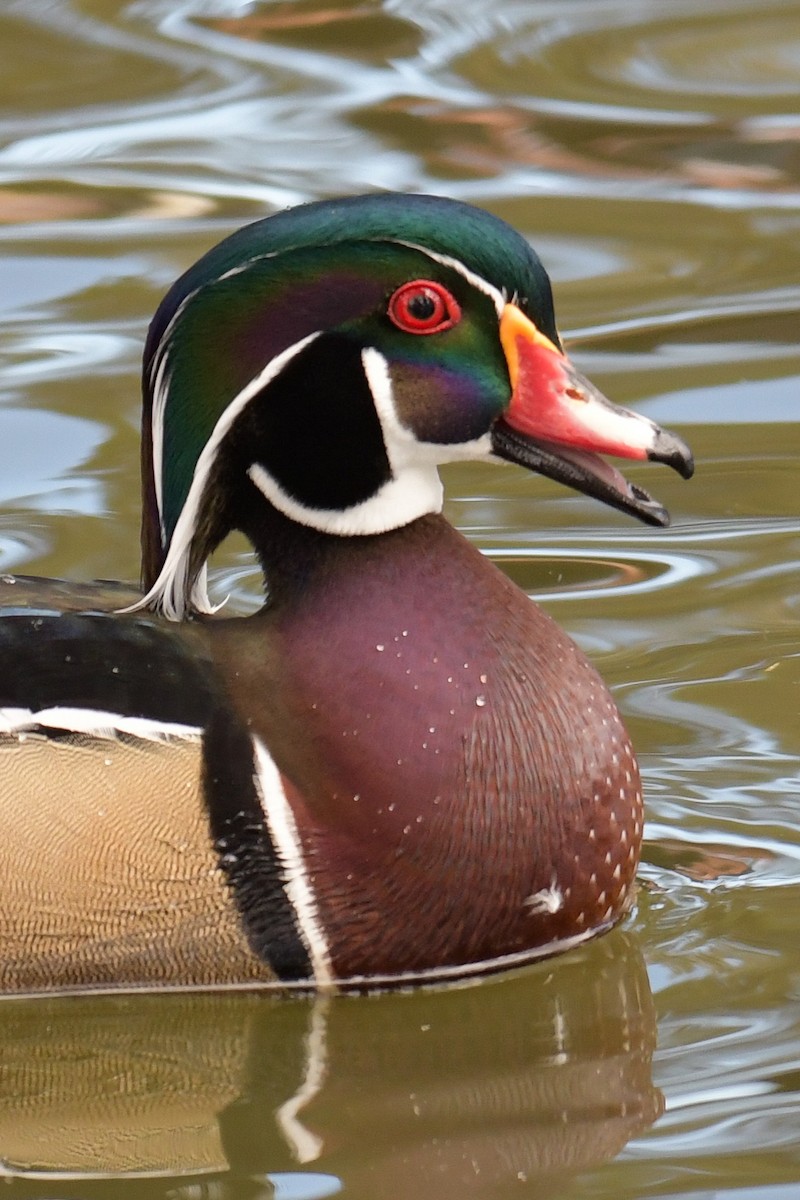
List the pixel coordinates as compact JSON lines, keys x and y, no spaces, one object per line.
{"x":652,"y":155}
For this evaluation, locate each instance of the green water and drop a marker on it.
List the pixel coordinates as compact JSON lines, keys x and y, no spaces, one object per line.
{"x":652,"y":154}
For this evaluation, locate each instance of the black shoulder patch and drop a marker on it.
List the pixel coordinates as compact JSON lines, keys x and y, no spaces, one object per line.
{"x":129,"y":666}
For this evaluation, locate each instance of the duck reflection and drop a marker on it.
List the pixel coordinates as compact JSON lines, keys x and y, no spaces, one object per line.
{"x":466,"y":1091}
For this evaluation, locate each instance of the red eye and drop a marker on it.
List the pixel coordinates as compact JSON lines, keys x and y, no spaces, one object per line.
{"x":424,"y":307}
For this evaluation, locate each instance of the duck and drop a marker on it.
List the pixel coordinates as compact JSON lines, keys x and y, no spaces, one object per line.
{"x":399,"y":770}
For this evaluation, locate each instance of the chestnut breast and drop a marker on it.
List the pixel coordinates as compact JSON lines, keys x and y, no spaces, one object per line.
{"x":462,"y":783}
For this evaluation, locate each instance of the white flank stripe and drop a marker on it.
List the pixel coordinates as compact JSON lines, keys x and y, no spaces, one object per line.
{"x":94,"y":723}
{"x":283,"y":829}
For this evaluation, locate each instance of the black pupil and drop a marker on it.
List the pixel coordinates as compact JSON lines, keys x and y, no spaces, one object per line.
{"x":422,"y":306}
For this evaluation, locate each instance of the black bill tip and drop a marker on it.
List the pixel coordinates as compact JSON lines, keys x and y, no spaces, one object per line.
{"x":590,"y":473}
{"x":671,"y":450}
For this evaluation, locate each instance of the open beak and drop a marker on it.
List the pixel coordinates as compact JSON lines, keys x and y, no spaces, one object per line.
{"x":558,"y":424}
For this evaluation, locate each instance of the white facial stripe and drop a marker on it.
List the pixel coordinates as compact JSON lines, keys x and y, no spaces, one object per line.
{"x":286,"y":840}
{"x":497,"y":297}
{"x":417,"y":491}
{"x":414,"y":489}
{"x":169,"y":592}
{"x":400,"y":442}
{"x":403,"y":448}
{"x":94,"y":723}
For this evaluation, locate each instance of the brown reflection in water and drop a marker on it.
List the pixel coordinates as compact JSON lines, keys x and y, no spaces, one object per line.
{"x":478,"y":142}
{"x":469,"y":142}
{"x":720,"y":156}
{"x":705,"y":863}
{"x":17,"y":205}
{"x":357,"y":30}
{"x":482,"y":142}
{"x":466,"y":1091}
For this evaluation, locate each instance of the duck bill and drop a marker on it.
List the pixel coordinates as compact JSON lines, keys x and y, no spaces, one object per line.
{"x":559,"y":425}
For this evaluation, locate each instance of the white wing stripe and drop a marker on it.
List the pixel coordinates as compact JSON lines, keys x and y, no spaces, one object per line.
{"x":93,"y":722}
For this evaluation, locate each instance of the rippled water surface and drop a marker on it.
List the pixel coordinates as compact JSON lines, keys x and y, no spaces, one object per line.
{"x":651,"y":152}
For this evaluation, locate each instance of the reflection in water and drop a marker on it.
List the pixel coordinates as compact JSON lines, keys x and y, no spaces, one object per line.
{"x":458,"y":1092}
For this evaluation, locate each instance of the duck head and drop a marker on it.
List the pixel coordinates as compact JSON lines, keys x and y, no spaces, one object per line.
{"x":326,"y":360}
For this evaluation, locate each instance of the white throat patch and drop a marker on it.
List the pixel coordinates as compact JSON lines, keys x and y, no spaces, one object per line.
{"x":413,"y":490}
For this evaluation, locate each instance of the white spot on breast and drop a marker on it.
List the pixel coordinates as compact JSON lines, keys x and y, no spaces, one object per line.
{"x":548,"y":900}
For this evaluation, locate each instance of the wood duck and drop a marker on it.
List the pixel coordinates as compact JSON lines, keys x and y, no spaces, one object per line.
{"x":400,"y":769}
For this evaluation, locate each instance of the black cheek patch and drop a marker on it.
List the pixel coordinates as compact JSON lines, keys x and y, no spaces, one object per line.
{"x":315,"y":430}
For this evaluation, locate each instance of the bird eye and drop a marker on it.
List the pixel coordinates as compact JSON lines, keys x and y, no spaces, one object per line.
{"x":423,"y":306}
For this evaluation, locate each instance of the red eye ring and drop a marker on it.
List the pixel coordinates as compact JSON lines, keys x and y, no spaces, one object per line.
{"x":423,"y":306}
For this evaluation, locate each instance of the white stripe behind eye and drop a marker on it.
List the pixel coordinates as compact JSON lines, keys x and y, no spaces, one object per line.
{"x":497,"y":296}
{"x":160,"y":390}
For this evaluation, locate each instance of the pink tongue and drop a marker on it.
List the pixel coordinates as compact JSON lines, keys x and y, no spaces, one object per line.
{"x":591,"y":463}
